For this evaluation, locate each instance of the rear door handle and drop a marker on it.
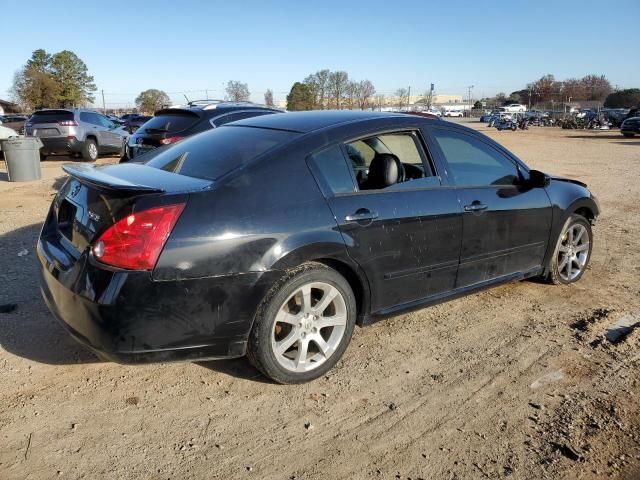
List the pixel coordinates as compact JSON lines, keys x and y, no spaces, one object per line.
{"x":475,"y":207}
{"x":361,"y":215}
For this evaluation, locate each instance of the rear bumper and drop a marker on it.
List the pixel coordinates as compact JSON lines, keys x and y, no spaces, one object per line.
{"x":62,"y":145}
{"x":126,"y":317}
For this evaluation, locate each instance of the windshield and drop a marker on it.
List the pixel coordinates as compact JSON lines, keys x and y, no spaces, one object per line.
{"x":213,"y":153}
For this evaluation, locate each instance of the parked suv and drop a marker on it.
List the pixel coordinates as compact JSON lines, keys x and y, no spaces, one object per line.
{"x":77,"y":132}
{"x":172,"y":124}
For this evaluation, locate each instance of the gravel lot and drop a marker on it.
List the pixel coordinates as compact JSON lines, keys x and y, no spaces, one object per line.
{"x":516,"y":382}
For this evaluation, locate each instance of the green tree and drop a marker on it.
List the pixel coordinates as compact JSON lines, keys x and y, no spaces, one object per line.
{"x":40,"y":61}
{"x":35,"y":89}
{"x":300,"y":97}
{"x":71,"y":73}
{"x":151,"y":100}
{"x":623,"y":99}
{"x":477,"y":105}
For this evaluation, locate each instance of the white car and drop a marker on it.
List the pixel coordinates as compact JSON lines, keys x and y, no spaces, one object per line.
{"x":453,"y":113}
{"x":6,"y":132}
{"x":513,"y":108}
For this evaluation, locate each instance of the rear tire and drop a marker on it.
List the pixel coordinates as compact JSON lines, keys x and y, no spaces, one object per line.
{"x":43,"y":156}
{"x":303,"y":326}
{"x":628,"y":135}
{"x":90,"y":150}
{"x":572,"y":253}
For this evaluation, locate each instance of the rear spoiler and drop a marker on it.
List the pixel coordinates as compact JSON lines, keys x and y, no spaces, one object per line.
{"x":93,"y":175}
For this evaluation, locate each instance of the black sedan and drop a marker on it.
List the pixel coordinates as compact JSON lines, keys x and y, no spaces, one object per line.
{"x":273,"y":236}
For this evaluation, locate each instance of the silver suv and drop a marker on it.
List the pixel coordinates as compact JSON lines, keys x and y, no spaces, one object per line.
{"x":77,"y":132}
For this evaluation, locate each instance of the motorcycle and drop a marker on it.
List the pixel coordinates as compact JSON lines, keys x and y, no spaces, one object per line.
{"x":506,"y":124}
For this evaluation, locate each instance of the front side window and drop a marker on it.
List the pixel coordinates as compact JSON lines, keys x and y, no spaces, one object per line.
{"x":389,"y":160}
{"x":473,"y":162}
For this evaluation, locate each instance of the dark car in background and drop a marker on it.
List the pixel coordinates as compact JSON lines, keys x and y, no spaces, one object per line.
{"x":169,"y":125}
{"x":630,"y":127}
{"x":272,"y":236}
{"x":134,"y":122}
{"x":15,"y":122}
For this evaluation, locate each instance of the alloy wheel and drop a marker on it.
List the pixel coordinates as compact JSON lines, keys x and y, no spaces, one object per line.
{"x":93,"y":150}
{"x":573,"y":252}
{"x":309,"y":327}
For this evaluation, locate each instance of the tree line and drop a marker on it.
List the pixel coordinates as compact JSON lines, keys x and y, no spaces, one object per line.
{"x":62,"y":80}
{"x":546,"y":89}
{"x":330,"y":90}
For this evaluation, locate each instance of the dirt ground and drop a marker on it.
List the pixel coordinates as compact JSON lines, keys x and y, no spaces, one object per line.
{"x":515,"y":382}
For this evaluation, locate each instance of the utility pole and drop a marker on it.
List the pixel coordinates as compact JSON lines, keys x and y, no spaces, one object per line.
{"x":470,"y":87}
{"x":408,"y":97}
{"x":104,"y":108}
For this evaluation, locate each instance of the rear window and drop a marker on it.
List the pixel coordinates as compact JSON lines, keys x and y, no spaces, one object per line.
{"x":171,"y":123}
{"x":51,"y":116}
{"x":211,"y":154}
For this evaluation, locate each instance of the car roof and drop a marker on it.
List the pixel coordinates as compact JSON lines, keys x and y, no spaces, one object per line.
{"x":308,"y":121}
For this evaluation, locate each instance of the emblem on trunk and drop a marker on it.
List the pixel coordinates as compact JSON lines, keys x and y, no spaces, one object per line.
{"x":94,"y":216}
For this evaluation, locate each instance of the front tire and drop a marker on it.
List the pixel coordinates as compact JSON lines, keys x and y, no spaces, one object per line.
{"x":573,"y":251}
{"x":90,"y":150}
{"x":303,"y":325}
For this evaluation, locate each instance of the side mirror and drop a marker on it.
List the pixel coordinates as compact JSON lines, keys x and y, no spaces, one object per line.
{"x":538,"y":179}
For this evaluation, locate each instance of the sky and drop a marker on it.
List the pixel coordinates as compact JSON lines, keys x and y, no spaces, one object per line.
{"x":188,"y":47}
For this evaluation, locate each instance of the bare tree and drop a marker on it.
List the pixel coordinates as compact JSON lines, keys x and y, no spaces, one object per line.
{"x":402,"y":94}
{"x":318,"y":84}
{"x":352,"y":94}
{"x":366,"y":90}
{"x":268,"y":98}
{"x":427,"y":98}
{"x":237,"y":91}
{"x":338,"y":83}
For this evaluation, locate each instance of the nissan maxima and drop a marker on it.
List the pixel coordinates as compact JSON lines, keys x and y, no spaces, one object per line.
{"x":272,"y":237}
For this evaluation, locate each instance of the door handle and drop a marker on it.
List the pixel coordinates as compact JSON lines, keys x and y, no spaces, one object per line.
{"x":362,"y":214}
{"x":475,"y":207}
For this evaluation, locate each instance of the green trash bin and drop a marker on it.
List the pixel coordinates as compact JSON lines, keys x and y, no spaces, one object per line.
{"x":22,"y":157}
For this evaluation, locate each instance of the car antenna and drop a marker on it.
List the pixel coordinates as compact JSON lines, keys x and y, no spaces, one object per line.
{"x":185,"y":96}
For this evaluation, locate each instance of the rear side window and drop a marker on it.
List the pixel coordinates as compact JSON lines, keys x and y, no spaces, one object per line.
{"x":234,"y":117}
{"x":334,"y":169}
{"x":473,"y":162}
{"x":211,"y":154}
{"x":52,"y":116}
{"x":170,"y":123}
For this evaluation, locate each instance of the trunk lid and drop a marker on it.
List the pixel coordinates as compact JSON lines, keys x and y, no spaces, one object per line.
{"x":96,"y":197}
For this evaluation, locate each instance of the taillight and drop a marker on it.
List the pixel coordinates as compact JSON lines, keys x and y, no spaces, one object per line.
{"x":68,"y":123}
{"x":167,"y":141}
{"x":135,"y":242}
